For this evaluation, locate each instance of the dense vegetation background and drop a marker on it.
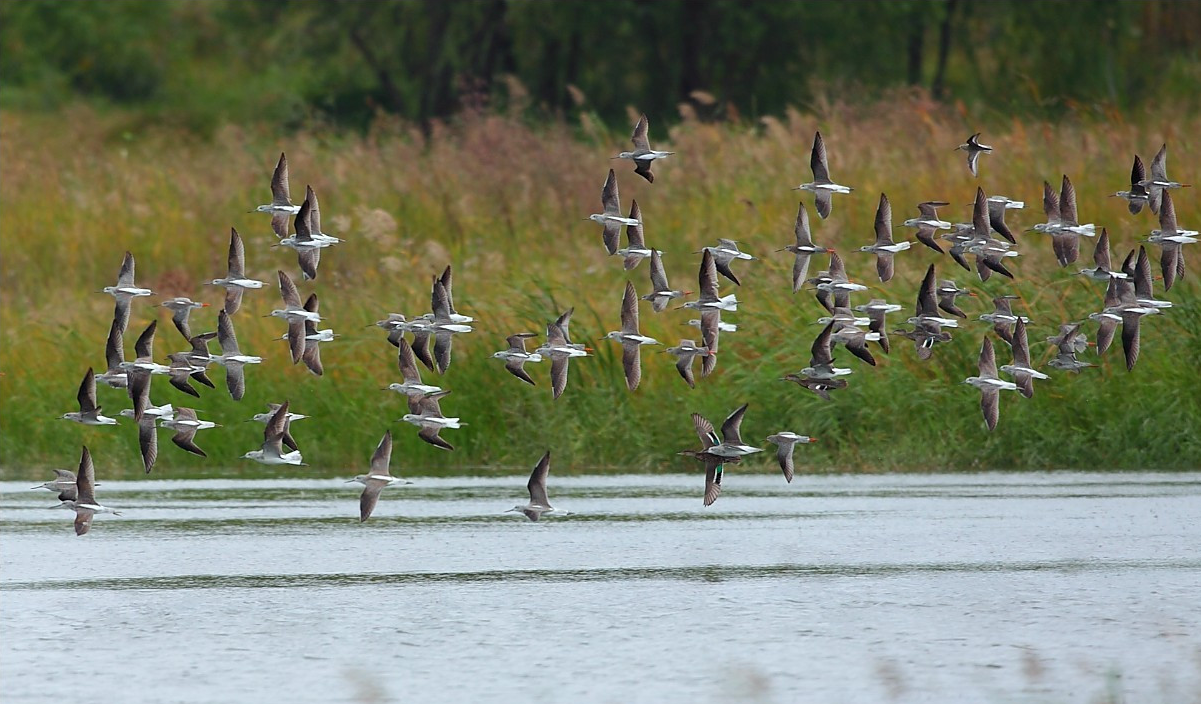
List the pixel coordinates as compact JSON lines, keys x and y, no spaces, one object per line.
{"x":203,"y":63}
{"x":478,"y":134}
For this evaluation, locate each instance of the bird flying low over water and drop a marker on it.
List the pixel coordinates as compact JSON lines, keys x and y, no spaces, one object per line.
{"x":84,"y":504}
{"x":377,"y":479}
{"x":272,"y":449}
{"x":714,"y":464}
{"x":785,"y":443}
{"x":186,"y":424}
{"x":139,"y":371}
{"x":539,"y":504}
{"x":731,"y":444}
{"x":426,"y":414}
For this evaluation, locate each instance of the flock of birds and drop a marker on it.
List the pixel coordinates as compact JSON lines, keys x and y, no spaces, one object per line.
{"x":987,"y":239}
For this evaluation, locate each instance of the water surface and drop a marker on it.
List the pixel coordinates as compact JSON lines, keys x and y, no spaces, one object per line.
{"x":1060,"y":587}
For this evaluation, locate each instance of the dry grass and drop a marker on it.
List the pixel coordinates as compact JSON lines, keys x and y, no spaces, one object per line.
{"x":504,"y":202}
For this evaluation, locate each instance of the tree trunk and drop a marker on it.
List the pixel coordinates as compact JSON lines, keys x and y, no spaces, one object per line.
{"x":917,"y":36}
{"x":944,"y":47}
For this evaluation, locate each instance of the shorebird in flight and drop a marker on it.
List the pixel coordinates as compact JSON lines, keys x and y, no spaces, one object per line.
{"x":635,"y":250}
{"x":411,"y":384}
{"x":974,"y":149}
{"x":610,"y":216}
{"x":272,"y":450}
{"x":684,"y":353}
{"x":1137,"y":196}
{"x":661,"y":292}
{"x":560,"y":349}
{"x":89,"y":412}
{"x":1170,"y":238}
{"x":84,"y":504}
{"x":1022,"y":371}
{"x":140,"y":370}
{"x":125,"y":291}
{"x":821,"y":186}
{"x":231,"y":357}
{"x":377,"y":479}
{"x":294,"y":314}
{"x":785,"y":443}
{"x":539,"y":504}
{"x":426,"y":413}
{"x":186,"y":424}
{"x":630,"y":338}
{"x":236,"y":281}
{"x":114,"y":355}
{"x":181,"y":307}
{"x":1003,"y":318}
{"x":281,"y":205}
{"x":804,"y":248}
{"x":516,"y":356}
{"x":929,"y":223}
{"x":884,"y":248}
{"x":1159,"y":183}
{"x":989,"y":384}
{"x":724,"y":253}
{"x":1102,"y":271}
{"x":643,"y":156}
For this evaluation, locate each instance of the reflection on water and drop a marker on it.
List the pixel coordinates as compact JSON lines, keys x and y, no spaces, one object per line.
{"x":1007,"y":588}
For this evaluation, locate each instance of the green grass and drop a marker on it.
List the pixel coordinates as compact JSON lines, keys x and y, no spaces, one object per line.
{"x":504,"y":203}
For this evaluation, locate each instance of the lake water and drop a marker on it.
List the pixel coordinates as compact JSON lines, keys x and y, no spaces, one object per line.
{"x":1058,"y":587}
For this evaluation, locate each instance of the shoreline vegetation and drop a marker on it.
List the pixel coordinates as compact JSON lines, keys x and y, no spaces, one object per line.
{"x":503,"y":200}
